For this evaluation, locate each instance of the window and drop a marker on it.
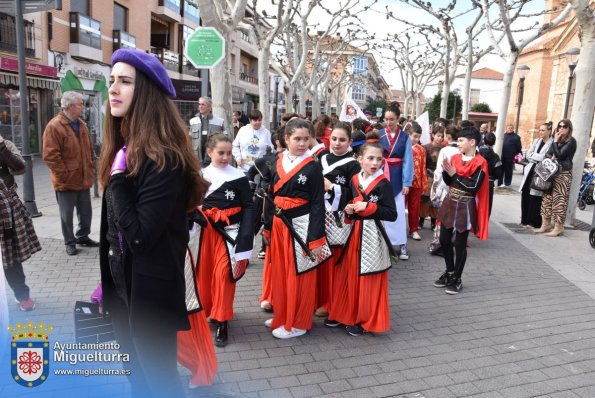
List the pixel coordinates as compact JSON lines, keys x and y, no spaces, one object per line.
{"x":191,"y":12}
{"x":358,"y":92}
{"x":81,"y":6}
{"x":120,"y":18}
{"x":360,"y":66}
{"x":474,"y":97}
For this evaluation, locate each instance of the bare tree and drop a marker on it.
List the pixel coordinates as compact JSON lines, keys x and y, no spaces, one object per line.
{"x":225,"y":17}
{"x":508,"y":12}
{"x":264,"y":34}
{"x":584,"y":96}
{"x":419,"y":64}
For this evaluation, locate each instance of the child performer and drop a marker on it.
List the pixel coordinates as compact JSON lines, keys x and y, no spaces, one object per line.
{"x":226,"y":241}
{"x":466,"y":206}
{"x":338,"y":167}
{"x":399,"y":170}
{"x":360,"y":288}
{"x":420,"y":180}
{"x":297,"y":226}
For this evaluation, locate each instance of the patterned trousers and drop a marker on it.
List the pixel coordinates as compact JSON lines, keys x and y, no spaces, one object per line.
{"x":554,"y":203}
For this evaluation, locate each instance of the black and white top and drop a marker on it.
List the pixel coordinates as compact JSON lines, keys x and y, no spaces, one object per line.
{"x":230,"y":189}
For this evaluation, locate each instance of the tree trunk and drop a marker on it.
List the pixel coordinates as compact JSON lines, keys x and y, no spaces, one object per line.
{"x":467,"y":84}
{"x":315,"y":105}
{"x":583,"y":104}
{"x":446,"y":84}
{"x":504,"y":100}
{"x":221,"y":87}
{"x":264,"y":55}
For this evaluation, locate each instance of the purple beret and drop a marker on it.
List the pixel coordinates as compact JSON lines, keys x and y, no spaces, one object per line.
{"x":149,"y":65}
{"x":367,"y":113}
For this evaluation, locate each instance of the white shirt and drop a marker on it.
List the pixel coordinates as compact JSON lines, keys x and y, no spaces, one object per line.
{"x":250,"y":145}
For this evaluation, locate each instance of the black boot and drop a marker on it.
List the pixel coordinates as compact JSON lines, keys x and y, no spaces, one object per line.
{"x":421,"y":222}
{"x":221,"y":335}
{"x":433,"y":223}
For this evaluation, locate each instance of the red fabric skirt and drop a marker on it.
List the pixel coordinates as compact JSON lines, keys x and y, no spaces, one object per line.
{"x":267,"y":289}
{"x":294,"y":295}
{"x":196,"y":351}
{"x":216,"y":289}
{"x":359,"y":299}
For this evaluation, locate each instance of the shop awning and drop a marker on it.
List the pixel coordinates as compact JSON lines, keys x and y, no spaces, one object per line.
{"x":33,"y":82}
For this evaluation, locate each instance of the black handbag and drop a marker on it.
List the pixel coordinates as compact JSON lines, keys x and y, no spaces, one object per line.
{"x":545,"y":172}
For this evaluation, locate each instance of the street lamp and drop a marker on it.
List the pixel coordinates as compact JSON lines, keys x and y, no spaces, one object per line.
{"x":571,"y":60}
{"x":276,"y":114}
{"x":522,"y":72}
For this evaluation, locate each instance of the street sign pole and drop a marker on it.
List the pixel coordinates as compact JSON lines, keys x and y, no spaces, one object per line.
{"x":28,"y":186}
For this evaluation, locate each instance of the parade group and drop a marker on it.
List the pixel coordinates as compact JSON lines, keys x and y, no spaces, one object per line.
{"x":334,"y":202}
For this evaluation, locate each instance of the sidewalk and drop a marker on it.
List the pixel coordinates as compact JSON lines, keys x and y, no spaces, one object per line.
{"x":523,"y":325}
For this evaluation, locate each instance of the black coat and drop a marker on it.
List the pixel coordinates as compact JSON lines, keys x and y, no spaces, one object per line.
{"x":149,"y":210}
{"x":511,"y":146}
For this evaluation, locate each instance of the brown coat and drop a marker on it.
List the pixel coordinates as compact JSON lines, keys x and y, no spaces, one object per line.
{"x":71,"y":159}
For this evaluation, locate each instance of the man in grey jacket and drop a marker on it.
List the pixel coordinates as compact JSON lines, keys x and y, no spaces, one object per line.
{"x":202,"y":126}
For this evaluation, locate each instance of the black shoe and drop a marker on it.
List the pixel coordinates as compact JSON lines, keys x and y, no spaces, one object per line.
{"x":421,"y":223}
{"x":355,"y":330}
{"x":221,"y":335}
{"x":455,"y":287}
{"x":71,"y":250}
{"x":444,"y":280}
{"x":329,"y":323}
{"x":86,"y":241}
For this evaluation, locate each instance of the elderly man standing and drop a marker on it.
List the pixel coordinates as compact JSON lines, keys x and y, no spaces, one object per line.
{"x":483,"y":129}
{"x":68,"y":153}
{"x":202,"y":126}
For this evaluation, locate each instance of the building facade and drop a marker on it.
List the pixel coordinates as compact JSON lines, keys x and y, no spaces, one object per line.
{"x":486,"y":87}
{"x":546,"y":83}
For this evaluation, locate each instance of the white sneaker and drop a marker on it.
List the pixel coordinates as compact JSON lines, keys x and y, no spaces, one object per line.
{"x":415,"y":236}
{"x":403,"y":255}
{"x":268,"y":323}
{"x":261,"y":255}
{"x":501,"y":186}
{"x":265,"y":305}
{"x":282,"y":333}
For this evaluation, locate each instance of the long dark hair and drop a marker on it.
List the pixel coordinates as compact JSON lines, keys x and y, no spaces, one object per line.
{"x":569,"y":124}
{"x":152,"y":128}
{"x":321,"y":124}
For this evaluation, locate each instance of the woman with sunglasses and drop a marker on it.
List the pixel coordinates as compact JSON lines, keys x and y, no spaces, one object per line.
{"x":555,"y":202}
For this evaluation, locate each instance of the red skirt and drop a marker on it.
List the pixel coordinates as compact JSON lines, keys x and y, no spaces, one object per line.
{"x":267,"y":289}
{"x":196,"y":351}
{"x":294,"y":295}
{"x":359,"y":299}
{"x":216,"y":289}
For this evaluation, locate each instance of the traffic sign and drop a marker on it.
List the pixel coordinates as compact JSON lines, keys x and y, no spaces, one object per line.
{"x":205,"y":48}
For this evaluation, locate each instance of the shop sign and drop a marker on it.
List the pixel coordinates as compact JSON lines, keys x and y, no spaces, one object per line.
{"x":237,"y":94}
{"x":87,"y":73}
{"x":30,"y":67}
{"x":186,"y":90}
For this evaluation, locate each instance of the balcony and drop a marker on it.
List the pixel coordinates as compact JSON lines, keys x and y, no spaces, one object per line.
{"x":169,"y":10}
{"x":8,"y":35}
{"x":188,"y":68}
{"x":122,"y":39}
{"x":85,"y":37}
{"x":169,"y":59}
{"x":247,"y":78}
{"x":245,"y":37}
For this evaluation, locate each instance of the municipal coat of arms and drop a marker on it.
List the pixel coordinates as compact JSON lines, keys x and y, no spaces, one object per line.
{"x":30,"y":353}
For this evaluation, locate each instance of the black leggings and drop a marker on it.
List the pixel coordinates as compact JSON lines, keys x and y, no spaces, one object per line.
{"x":455,"y":253}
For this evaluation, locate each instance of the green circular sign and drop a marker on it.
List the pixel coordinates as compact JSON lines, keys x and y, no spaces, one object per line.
{"x":205,"y":48}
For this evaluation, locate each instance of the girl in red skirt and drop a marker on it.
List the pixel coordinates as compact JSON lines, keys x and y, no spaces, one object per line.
{"x":298,"y":216}
{"x":338,"y":167}
{"x":360,"y":286}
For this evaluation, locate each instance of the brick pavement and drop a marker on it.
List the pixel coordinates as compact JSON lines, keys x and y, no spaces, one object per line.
{"x":518,"y":329}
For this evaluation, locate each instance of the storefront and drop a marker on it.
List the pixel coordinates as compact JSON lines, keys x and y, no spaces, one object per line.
{"x":187,"y":95}
{"x":91,"y":81}
{"x":42,"y":83}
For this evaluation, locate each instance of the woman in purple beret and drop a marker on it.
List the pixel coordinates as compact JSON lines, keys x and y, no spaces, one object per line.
{"x":150,"y":177}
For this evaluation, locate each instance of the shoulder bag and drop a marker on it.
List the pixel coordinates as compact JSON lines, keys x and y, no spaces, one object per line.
{"x":545,"y":172}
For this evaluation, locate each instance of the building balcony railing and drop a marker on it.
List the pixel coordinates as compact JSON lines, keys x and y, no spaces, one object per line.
{"x":188,"y":68}
{"x":245,"y":37}
{"x":247,"y":78}
{"x":8,"y":35}
{"x":123,"y":39}
{"x":85,"y":30}
{"x":173,"y":5}
{"x":169,"y":59}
